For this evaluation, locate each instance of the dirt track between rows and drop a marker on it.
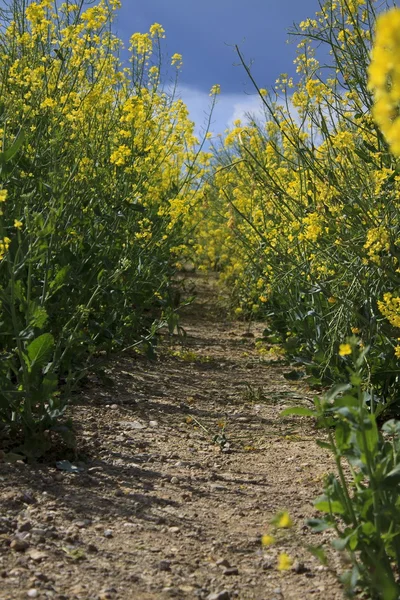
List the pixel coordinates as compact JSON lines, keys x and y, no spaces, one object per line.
{"x":186,"y":461}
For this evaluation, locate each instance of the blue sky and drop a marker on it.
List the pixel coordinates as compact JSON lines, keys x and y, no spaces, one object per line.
{"x":204,"y":31}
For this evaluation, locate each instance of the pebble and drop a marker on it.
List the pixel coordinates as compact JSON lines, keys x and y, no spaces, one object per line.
{"x":25,"y":526}
{"x":164,"y":565}
{"x":39,"y":531}
{"x":223,"y":595}
{"x":83,"y":524}
{"x":223,"y":562}
{"x":300,"y":568}
{"x":108,"y":533}
{"x":216,"y":487}
{"x":153,"y":423}
{"x":132,"y":425}
{"x":114,"y":406}
{"x":32,"y":593}
{"x":37,"y":555}
{"x":19,"y":545}
{"x":231,"y":571}
{"x":107,"y":594}
{"x":174,"y":529}
{"x":92,"y":470}
{"x":174,"y":480}
{"x":28,"y":498}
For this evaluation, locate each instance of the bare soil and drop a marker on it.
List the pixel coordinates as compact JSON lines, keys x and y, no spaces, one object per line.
{"x":185,"y":461}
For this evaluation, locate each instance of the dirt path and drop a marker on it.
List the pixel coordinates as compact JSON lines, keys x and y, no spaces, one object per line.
{"x":158,"y":510}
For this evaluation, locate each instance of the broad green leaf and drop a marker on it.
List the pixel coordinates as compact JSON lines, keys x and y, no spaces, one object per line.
{"x":40,"y":350}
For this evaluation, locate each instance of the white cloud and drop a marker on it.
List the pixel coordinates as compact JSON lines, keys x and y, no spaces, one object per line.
{"x":228,"y":108}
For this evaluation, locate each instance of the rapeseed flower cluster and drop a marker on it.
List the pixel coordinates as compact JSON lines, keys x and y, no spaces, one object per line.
{"x":301,"y":215}
{"x":384,"y":77}
{"x":100,"y":169}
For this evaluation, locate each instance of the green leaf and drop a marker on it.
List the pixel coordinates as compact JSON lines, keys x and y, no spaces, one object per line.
{"x":294,"y":375}
{"x":368,"y":438}
{"x":300,"y":411}
{"x":49,"y":385}
{"x":13,"y":149}
{"x":38,"y":316}
{"x":318,"y":525}
{"x":342,"y":435}
{"x":393,"y":476}
{"x":324,"y":445}
{"x":341,"y":543}
{"x":336,"y":390}
{"x":40,"y":350}
{"x":392,"y":427}
{"x":329,"y":506}
{"x":59,"y":279}
{"x":319,"y":553}
{"x":346,"y":400}
{"x":368,"y":528}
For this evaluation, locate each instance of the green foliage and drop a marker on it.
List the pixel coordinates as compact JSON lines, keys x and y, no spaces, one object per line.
{"x":302,"y":213}
{"x":97,"y":168}
{"x":361,"y":502}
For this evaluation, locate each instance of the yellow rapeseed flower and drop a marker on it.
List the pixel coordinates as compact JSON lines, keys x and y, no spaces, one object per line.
{"x":344,"y":349}
{"x":176,"y":60}
{"x":3,"y":195}
{"x":157,"y":30}
{"x":284,"y":562}
{"x":267,"y":540}
{"x":215,"y":90}
{"x":384,"y":73}
{"x":284,"y":520}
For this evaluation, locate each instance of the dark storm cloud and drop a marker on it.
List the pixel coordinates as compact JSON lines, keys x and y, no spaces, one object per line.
{"x":204,"y":31}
